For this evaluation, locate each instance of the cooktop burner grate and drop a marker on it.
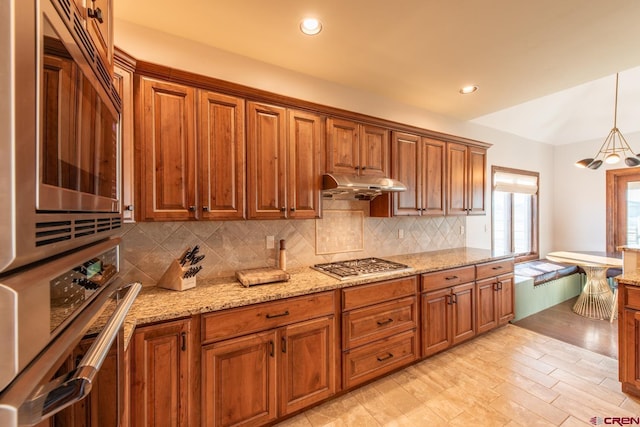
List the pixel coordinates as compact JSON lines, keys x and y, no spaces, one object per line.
{"x":364,"y":267}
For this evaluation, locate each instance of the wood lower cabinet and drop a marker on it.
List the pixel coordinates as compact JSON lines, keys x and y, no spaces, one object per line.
{"x":284,"y":155}
{"x":379,"y":329}
{"x":164,"y":366}
{"x":466,"y":179}
{"x":495,"y":294}
{"x":448,"y":308}
{"x":285,"y":365}
{"x":629,"y":337}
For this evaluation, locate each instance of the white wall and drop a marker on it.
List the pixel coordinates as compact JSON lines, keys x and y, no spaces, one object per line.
{"x":580,"y":196}
{"x":507,"y":151}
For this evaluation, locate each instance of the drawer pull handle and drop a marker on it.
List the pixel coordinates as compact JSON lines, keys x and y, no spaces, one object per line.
{"x":273,"y":316}
{"x":384,"y":322}
{"x":451,"y":278}
{"x":183,"y":335}
{"x":497,"y":267}
{"x":271,"y":348}
{"x":284,"y":344}
{"x":387,"y":357}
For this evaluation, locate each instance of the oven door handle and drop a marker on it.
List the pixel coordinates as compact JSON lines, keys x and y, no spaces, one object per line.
{"x":76,"y":385}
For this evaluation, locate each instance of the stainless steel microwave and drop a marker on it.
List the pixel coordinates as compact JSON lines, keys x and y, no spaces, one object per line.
{"x":59,"y":134}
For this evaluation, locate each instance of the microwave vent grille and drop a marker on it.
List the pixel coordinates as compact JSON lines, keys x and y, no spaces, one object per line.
{"x":50,"y":232}
{"x":84,"y":38}
{"x":65,"y":6}
{"x":104,"y":74}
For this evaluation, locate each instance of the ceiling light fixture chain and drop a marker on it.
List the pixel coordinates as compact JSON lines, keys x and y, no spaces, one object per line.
{"x":614,"y":147}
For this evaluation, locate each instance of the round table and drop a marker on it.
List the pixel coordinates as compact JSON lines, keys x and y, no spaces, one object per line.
{"x":596,"y":299}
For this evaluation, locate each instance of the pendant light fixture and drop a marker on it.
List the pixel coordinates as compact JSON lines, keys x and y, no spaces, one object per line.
{"x":614,"y":147}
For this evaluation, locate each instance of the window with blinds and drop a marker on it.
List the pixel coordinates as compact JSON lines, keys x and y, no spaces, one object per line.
{"x":515,"y":212}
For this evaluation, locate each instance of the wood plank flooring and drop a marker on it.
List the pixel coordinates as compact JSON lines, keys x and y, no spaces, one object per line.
{"x":562,"y":323}
{"x":508,"y":377}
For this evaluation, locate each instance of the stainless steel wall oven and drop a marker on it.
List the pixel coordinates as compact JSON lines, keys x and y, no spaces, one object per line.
{"x":59,"y":148}
{"x":59,"y":212}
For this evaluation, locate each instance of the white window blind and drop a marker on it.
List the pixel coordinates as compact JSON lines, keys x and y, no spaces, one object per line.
{"x":509,"y":182}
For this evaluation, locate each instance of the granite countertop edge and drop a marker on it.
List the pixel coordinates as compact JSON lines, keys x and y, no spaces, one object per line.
{"x":155,"y":304}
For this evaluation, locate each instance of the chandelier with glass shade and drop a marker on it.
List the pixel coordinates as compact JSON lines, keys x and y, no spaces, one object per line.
{"x":614,"y":148}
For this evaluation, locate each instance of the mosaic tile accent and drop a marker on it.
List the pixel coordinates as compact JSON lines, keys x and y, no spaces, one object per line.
{"x":339,"y":231}
{"x":149,"y":247}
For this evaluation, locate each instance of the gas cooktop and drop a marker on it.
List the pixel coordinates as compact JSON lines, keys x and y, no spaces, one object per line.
{"x":365,"y":267}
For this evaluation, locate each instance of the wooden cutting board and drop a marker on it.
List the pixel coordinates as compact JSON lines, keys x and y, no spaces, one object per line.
{"x":260,"y":276}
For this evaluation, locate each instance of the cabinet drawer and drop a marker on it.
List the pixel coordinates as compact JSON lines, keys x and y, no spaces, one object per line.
{"x":372,"y":360}
{"x":632,"y":297}
{"x":446,"y":278}
{"x":259,"y":317}
{"x":494,"y":268}
{"x":365,"y":325}
{"x":364,"y":295}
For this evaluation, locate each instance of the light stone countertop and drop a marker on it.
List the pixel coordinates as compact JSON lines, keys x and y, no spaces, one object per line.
{"x":630,"y":278}
{"x":155,"y":304}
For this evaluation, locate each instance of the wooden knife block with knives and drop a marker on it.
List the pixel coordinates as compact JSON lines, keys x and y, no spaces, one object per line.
{"x":181,"y":274}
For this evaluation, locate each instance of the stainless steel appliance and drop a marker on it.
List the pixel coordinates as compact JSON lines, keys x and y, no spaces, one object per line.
{"x":364,"y":267}
{"x":59,"y":134}
{"x":356,"y":187}
{"x":44,"y":313}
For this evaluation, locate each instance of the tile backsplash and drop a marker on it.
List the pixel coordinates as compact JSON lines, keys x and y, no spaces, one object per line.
{"x":149,"y":247}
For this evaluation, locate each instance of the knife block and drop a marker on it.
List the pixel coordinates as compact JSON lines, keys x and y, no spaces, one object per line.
{"x":172,"y":278}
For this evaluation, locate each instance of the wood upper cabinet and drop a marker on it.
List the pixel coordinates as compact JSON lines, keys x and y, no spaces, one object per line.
{"x":466,"y":171}
{"x":166,"y":135}
{"x":284,"y":152}
{"x":192,"y":166}
{"x":357,"y":149}
{"x":419,"y":163}
{"x":123,"y":70}
{"x":163,"y":368}
{"x":221,"y":156}
{"x":99,"y":19}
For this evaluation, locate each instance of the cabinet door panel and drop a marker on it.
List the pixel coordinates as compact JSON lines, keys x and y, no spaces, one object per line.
{"x":457,"y":179}
{"x":162,"y":375}
{"x":308,"y":368}
{"x":435,"y":320}
{"x":168,"y":148}
{"x":433,"y":168}
{"x":266,"y":151}
{"x":477,"y":180}
{"x":506,"y":309}
{"x":222,"y":156}
{"x":342,"y":146}
{"x":305,"y":159}
{"x":463,"y":322}
{"x":101,"y":30}
{"x":123,"y":81}
{"x":239,"y":381}
{"x":407,"y":169}
{"x":487,"y":299}
{"x":374,"y":151}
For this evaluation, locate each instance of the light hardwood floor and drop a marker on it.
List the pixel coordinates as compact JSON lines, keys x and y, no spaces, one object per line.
{"x":508,"y":377}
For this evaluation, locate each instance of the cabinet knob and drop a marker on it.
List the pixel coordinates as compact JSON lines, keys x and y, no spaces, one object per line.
{"x":192,"y":208}
{"x":283,"y":209}
{"x":293,"y":209}
{"x":205,"y":208}
{"x":95,"y":14}
{"x":357,"y":167}
{"x":363,"y":167}
{"x":128,"y":208}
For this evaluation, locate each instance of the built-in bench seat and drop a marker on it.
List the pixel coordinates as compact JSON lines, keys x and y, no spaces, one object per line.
{"x":542,"y":271}
{"x":541,"y":284}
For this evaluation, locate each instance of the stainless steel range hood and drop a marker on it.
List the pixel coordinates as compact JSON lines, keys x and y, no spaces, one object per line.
{"x":353,"y":187}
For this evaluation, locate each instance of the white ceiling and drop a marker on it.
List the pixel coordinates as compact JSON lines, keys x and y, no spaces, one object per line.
{"x":545,"y":67}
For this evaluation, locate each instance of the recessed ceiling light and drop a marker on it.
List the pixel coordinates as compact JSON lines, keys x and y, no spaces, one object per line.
{"x":468,"y":89}
{"x":310,"y":26}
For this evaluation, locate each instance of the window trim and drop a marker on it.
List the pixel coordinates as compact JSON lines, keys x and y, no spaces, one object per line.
{"x":535,"y":223}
